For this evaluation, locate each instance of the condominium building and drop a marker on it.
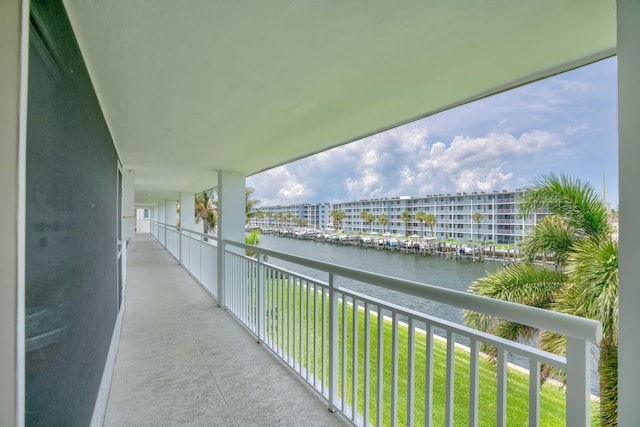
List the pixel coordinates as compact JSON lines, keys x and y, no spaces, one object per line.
{"x":313,"y":215}
{"x":477,"y":216}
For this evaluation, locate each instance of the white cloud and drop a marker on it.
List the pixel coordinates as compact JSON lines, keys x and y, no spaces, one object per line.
{"x":402,"y":162}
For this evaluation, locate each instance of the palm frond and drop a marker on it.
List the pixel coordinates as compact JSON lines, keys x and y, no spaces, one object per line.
{"x":571,"y":198}
{"x":552,"y":235}
{"x":593,"y":284}
{"x":555,"y":343}
{"x":521,"y":283}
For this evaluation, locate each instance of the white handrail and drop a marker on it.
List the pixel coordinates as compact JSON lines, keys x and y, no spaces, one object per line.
{"x":565,"y":324}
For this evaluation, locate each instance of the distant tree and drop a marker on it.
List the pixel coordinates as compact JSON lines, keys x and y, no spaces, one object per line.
{"x":363,"y":217}
{"x":406,"y":217}
{"x":368,"y":219}
{"x":269,"y":214}
{"x":206,"y":209}
{"x":338,"y":216}
{"x":383,"y":220}
{"x":430,"y":220}
{"x":477,"y":217}
{"x":252,"y":238}
{"x":260,"y":215}
{"x":250,"y":204}
{"x":421,"y":217}
{"x":288,"y":217}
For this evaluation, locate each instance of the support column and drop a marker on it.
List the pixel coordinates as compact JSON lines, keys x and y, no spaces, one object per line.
{"x":14,"y":41}
{"x":171,"y":216}
{"x":231,"y":218}
{"x":162,"y":229}
{"x":187,"y":211}
{"x":170,"y":213}
{"x":629,"y":176}
{"x":187,"y":218}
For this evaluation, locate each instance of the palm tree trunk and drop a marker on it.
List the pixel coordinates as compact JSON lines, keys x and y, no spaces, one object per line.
{"x":608,"y":371}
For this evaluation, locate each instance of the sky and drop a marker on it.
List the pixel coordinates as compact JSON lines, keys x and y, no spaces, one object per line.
{"x":563,"y":124}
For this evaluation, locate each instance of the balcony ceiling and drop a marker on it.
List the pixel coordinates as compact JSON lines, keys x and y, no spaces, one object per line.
{"x":192,"y":87}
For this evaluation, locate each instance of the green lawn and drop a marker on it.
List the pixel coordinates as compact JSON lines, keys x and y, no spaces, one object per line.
{"x":552,"y":400}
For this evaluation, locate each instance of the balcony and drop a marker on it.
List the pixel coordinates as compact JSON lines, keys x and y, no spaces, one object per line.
{"x":331,"y":338}
{"x":184,"y":360}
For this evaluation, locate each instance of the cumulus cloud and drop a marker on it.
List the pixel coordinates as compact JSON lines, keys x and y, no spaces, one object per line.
{"x":404,"y":162}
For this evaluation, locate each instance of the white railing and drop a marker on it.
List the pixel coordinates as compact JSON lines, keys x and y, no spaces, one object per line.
{"x":197,"y":252}
{"x":337,"y":340}
{"x":199,"y":257}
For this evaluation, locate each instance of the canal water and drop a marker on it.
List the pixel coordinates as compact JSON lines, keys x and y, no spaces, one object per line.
{"x":454,"y":273}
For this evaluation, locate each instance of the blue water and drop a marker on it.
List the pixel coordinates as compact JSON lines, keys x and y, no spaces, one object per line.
{"x":433,"y":270}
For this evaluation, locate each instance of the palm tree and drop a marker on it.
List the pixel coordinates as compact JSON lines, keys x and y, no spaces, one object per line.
{"x":338,"y":216}
{"x":477,"y":217}
{"x":383,"y":220}
{"x":406,"y":217}
{"x":260,"y":215}
{"x":269,"y":214}
{"x":430,"y":220}
{"x":250,"y":204}
{"x":368,"y":219}
{"x":585,"y":284}
{"x":363,"y":217}
{"x":421,"y":217}
{"x":206,"y":209}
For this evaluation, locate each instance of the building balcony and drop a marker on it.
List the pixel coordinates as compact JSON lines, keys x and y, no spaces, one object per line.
{"x":328,"y":337}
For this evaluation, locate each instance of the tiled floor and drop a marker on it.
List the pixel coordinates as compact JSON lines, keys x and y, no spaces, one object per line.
{"x":182,"y":360}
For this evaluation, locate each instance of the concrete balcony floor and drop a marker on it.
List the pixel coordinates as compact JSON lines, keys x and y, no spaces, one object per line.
{"x":182,"y":360}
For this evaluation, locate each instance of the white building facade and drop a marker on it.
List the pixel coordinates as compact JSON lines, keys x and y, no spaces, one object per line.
{"x":456,"y":215}
{"x":314,"y":215}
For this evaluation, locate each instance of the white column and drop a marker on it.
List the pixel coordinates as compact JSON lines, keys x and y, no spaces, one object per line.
{"x":187,"y":211}
{"x":629,"y":176}
{"x":128,"y":204}
{"x":187,"y":219}
{"x":171,"y":216}
{"x":161,"y":217}
{"x":231,"y":218}
{"x":14,"y":27}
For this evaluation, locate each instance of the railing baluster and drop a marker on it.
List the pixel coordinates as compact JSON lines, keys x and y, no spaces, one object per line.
{"x":534,"y":393}
{"x":501,"y":384}
{"x":261,"y":299}
{"x":333,"y":345}
{"x":290,"y":321}
{"x":473,"y":382}
{"x":325,"y":337}
{"x":354,"y":360}
{"x":343,"y":360}
{"x":411,"y":354}
{"x":380,"y":368}
{"x":300,"y":325}
{"x":281,"y":313}
{"x":428,"y":383}
{"x":367,"y":363}
{"x":307,"y":337}
{"x":316,"y":334}
{"x":394,"y":369}
{"x":449,"y":402}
